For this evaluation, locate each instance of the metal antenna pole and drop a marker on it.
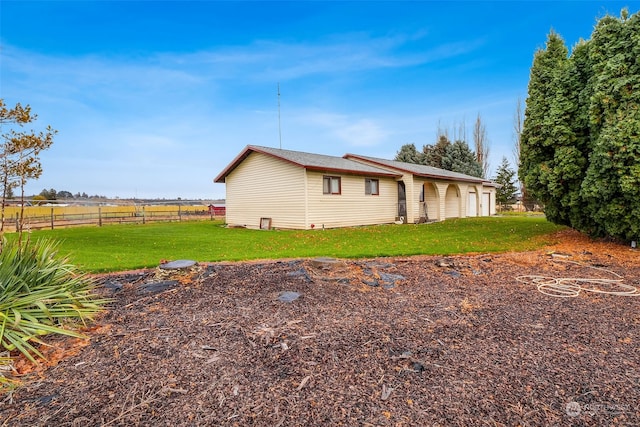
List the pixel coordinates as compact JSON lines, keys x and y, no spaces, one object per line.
{"x":279,"y":127}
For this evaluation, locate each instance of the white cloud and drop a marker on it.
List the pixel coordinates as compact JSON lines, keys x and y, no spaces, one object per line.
{"x":268,"y":60}
{"x":362,"y":133}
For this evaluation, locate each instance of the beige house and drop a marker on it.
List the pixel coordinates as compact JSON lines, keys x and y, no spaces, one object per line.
{"x":270,"y":187}
{"x":436,"y":194}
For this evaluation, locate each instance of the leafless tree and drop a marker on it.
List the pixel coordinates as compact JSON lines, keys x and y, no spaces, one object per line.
{"x":457,"y":132}
{"x":481,"y":143}
{"x":441,"y":131}
{"x":518,"y":122}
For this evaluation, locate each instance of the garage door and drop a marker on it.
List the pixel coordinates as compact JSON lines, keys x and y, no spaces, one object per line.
{"x":486,"y":200}
{"x":472,"y":204}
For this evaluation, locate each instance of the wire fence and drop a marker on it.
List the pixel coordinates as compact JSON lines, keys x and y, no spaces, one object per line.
{"x":51,"y":217}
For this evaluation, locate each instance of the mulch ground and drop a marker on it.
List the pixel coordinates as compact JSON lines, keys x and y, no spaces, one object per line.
{"x":456,"y":341}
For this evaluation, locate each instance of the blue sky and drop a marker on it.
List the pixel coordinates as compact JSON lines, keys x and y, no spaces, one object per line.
{"x":155,"y":98}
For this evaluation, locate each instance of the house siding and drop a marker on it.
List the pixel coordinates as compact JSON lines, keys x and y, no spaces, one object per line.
{"x":352,"y":207}
{"x":452,"y":202}
{"x":492,"y":199}
{"x":276,"y":184}
{"x":265,"y":187}
{"x":417,"y":207}
{"x":439,"y":207}
{"x":433,"y":202}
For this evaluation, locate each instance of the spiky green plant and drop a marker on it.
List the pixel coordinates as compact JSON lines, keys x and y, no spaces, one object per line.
{"x":41,"y":293}
{"x":7,"y":383}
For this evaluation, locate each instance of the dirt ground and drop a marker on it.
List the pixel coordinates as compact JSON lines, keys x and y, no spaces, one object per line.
{"x":455,"y":341}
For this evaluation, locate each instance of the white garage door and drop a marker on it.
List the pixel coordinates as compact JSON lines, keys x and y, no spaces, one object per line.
{"x":486,"y":200}
{"x":472,"y":205}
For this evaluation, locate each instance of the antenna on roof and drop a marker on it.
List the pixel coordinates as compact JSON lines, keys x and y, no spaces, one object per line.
{"x":279,"y":128}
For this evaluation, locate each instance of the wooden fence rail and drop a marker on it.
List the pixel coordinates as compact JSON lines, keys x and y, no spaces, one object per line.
{"x":72,"y":216}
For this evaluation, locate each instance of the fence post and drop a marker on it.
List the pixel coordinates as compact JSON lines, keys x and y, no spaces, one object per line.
{"x":99,"y":216}
{"x":144,"y":216}
{"x":179,"y":213}
{"x":52,"y":218}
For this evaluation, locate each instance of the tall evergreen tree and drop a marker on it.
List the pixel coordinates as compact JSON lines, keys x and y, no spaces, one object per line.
{"x":528,"y":201}
{"x":505,"y":176}
{"x":580,"y":143}
{"x":569,"y":132}
{"x":459,"y":158}
{"x":456,"y":157}
{"x":612,"y":184}
{"x":409,"y":153}
{"x":537,"y":156}
{"x":433,"y":154}
{"x":575,"y":148}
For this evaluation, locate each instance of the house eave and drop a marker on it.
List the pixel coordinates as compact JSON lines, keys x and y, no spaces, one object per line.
{"x":352,"y":172}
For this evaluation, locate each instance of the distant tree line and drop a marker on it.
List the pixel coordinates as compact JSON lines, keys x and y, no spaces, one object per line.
{"x":52,"y":194}
{"x":458,"y":157}
{"x":580,"y":144}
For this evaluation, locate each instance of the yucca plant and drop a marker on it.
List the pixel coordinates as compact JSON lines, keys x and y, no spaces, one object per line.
{"x":6,"y":368}
{"x":41,"y":293}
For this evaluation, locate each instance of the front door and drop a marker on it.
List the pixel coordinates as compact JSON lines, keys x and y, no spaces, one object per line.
{"x":402,"y":202}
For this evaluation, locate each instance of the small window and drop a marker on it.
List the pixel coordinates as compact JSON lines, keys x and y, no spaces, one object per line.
{"x":265,"y":223}
{"x":371,"y":186}
{"x":331,"y":185}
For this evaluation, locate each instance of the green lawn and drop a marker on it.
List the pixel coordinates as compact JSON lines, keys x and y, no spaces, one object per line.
{"x":123,"y":247}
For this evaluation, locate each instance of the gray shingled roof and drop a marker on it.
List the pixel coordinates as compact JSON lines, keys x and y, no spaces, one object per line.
{"x":419,"y":170}
{"x":319,"y":162}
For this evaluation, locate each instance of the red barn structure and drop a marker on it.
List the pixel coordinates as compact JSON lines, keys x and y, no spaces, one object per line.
{"x":217,"y":210}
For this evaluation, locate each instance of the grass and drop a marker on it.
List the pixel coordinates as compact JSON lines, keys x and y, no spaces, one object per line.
{"x":125,"y":247}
